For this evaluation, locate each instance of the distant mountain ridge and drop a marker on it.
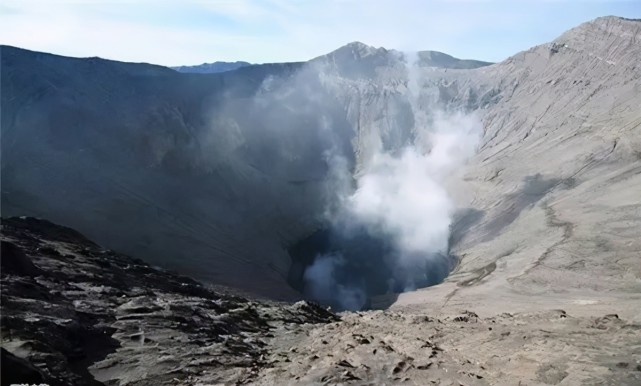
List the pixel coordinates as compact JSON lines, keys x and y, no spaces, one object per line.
{"x":380,"y":56}
{"x":212,"y":68}
{"x":354,"y":50}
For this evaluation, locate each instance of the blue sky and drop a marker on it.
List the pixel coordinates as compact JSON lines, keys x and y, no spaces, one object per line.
{"x":173,"y":32}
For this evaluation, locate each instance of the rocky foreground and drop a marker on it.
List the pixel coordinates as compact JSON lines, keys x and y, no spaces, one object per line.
{"x":74,"y":313}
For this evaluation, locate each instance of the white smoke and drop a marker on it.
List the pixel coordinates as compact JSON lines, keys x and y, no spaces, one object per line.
{"x":321,"y":284}
{"x":404,"y":195}
{"x":400,"y":196}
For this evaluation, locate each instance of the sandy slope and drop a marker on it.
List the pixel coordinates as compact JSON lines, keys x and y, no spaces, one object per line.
{"x":556,"y":187}
{"x":413,"y":348}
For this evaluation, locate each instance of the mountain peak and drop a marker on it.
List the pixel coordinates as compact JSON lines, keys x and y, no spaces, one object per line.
{"x":609,"y":38}
{"x":605,"y":24}
{"x":359,"y":45}
{"x":613,"y":18}
{"x":358,"y":50}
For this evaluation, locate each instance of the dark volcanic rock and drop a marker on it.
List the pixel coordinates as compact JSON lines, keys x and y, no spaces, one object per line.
{"x":75,"y":314}
{"x":15,"y":262}
{"x":21,"y":371}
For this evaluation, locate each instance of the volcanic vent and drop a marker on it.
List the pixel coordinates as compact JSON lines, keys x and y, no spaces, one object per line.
{"x":345,"y":270}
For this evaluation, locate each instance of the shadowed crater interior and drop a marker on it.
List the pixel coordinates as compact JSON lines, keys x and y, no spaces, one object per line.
{"x":345,"y":269}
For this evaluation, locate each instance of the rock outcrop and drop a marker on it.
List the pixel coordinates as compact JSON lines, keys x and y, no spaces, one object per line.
{"x":74,"y":313}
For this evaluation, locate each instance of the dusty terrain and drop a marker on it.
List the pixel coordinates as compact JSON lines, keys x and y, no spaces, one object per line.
{"x":387,"y":347}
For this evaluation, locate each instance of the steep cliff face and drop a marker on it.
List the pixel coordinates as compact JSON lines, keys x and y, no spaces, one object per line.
{"x":138,"y":157}
{"x":221,"y":173}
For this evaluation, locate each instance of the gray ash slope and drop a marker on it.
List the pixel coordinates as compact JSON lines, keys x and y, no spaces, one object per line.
{"x":132,"y":139}
{"x":553,"y":193}
{"x":194,"y":171}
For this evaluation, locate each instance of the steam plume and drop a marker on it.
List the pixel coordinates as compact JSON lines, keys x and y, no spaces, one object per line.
{"x":401,"y":196}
